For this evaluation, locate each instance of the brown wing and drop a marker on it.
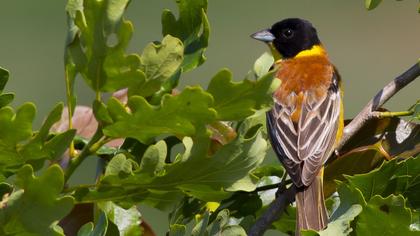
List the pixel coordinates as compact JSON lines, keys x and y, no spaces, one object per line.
{"x":304,"y":147}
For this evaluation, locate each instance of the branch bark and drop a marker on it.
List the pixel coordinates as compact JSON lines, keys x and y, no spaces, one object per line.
{"x":273,"y":212}
{"x":277,"y":207}
{"x":376,"y":102}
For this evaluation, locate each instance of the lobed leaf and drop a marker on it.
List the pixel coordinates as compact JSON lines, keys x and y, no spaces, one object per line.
{"x":161,"y":183}
{"x":159,"y":62}
{"x":392,"y":177}
{"x":18,"y":145}
{"x":381,"y":139}
{"x":192,"y":27}
{"x":385,"y":216}
{"x":178,"y":115}
{"x":238,"y":100}
{"x":97,"y":39}
{"x":5,"y":98}
{"x":21,"y":213}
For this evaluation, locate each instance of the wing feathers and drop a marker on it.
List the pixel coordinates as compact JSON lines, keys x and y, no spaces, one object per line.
{"x":305,"y":146}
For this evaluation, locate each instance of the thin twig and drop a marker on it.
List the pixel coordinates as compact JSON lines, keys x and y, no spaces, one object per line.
{"x":273,"y":212}
{"x":380,"y":98}
{"x":277,"y":207}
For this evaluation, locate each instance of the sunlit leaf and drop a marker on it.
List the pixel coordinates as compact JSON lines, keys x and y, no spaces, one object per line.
{"x":159,"y":62}
{"x":192,"y":27}
{"x":97,"y":39}
{"x":178,"y":114}
{"x":237,"y":100}
{"x":226,"y":171}
{"x":371,"y":4}
{"x":126,"y":220}
{"x":385,"y":216}
{"x":392,"y":177}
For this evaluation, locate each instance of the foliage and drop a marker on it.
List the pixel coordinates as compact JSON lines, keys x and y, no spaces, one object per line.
{"x":196,"y":152}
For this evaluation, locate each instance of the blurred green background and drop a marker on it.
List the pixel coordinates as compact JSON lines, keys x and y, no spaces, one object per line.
{"x":369,"y":47}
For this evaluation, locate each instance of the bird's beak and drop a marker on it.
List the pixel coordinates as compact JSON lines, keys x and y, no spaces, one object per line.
{"x":264,"y":36}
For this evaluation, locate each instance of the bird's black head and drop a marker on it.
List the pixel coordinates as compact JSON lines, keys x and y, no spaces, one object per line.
{"x":289,"y":36}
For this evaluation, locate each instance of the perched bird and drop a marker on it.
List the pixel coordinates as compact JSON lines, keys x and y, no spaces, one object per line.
{"x":306,"y":121}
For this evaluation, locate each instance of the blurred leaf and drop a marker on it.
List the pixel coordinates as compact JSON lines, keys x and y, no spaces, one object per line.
{"x":237,"y":100}
{"x":177,"y":230}
{"x":127,"y":220}
{"x":99,"y":229}
{"x":178,"y":115}
{"x":394,"y":136}
{"x":339,"y":226}
{"x":392,"y":177}
{"x":79,"y":216}
{"x":263,"y":64}
{"x":287,"y":221}
{"x":269,"y":170}
{"x":226,"y":171}
{"x":185,"y":211}
{"x":385,"y":216}
{"x":5,"y":98}
{"x":371,"y":4}
{"x":21,"y":214}
{"x":192,"y":27}
{"x":4,"y":77}
{"x":5,"y":188}
{"x":351,"y":163}
{"x":416,"y":111}
{"x":97,"y":39}
{"x":158,"y":62}
{"x":379,"y":140}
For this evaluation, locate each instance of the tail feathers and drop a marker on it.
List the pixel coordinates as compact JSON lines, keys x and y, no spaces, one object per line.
{"x":311,"y":210}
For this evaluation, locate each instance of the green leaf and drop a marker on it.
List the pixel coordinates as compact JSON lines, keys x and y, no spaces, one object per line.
{"x":416,"y":111}
{"x":287,"y":221}
{"x":372,"y":4}
{"x":357,"y":162}
{"x":192,"y":27}
{"x":237,"y":100}
{"x":379,"y":140}
{"x":177,"y":230}
{"x":385,"y":216}
{"x":158,"y":62}
{"x":100,"y":228}
{"x":5,"y":98}
{"x":4,"y":77}
{"x":43,"y":146}
{"x":392,"y":177}
{"x":228,"y":170}
{"x":263,"y":64}
{"x":177,"y":114}
{"x":97,"y":40}
{"x":21,"y":214}
{"x":18,"y":145}
{"x":127,"y":220}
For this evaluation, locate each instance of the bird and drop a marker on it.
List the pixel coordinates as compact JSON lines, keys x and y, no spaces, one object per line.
{"x":306,"y":121}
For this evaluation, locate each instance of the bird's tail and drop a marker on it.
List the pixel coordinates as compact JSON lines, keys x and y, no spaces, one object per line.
{"x":311,"y":210}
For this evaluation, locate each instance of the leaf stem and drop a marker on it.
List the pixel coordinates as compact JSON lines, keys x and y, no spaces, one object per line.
{"x":72,"y":152}
{"x":96,"y":142}
{"x":387,"y":114}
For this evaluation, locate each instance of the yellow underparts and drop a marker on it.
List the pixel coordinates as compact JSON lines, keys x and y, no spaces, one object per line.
{"x":314,"y":51}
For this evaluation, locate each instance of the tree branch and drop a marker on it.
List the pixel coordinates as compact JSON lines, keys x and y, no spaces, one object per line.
{"x":273,"y":212}
{"x":376,"y":102}
{"x":277,"y":207}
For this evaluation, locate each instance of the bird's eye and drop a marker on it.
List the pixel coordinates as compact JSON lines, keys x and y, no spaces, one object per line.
{"x":288,"y":33}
